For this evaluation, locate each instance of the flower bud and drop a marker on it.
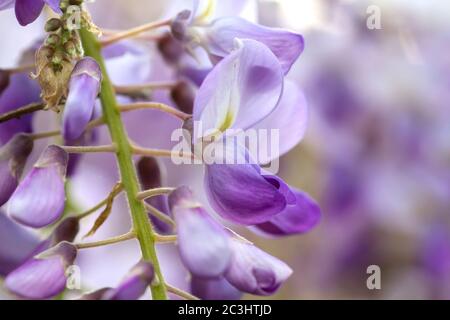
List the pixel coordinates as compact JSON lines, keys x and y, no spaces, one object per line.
{"x":39,"y":199}
{"x":183,"y":95}
{"x":43,"y":276}
{"x":170,"y":48}
{"x":151,"y":176}
{"x":52,"y":25}
{"x":180,"y":24}
{"x":13,"y":157}
{"x":202,"y":242}
{"x":84,"y":87}
{"x":255,"y":271}
{"x":52,"y":40}
{"x":67,"y":230}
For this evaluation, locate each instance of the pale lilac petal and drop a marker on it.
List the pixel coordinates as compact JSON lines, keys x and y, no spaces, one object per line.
{"x":220,"y":35}
{"x":214,"y":289}
{"x":202,"y":242}
{"x":242,"y":194}
{"x":240,"y":91}
{"x":16,"y":244}
{"x":43,"y":276}
{"x":295,"y":219}
{"x":255,"y":271}
{"x":83,"y":90}
{"x":28,"y":10}
{"x":39,"y":199}
{"x":290,"y":120}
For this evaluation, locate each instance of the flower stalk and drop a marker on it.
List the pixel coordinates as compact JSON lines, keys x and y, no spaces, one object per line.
{"x":111,"y":114}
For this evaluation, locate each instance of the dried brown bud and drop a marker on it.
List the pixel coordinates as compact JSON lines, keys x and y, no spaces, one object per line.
{"x":4,"y":80}
{"x":52,"y":40}
{"x":183,"y":96}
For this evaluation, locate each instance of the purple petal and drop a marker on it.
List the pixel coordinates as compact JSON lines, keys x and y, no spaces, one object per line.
{"x":39,"y":199}
{"x":202,"y":242}
{"x":6,"y":4}
{"x":298,"y":218}
{"x":54,"y":4}
{"x":43,"y":276}
{"x":242,"y":194}
{"x":254,"y":271}
{"x":290,"y":119}
{"x":13,"y":157}
{"x":21,"y":91}
{"x":28,"y":10}
{"x":83,"y":90}
{"x":240,"y":91}
{"x":134,"y":284}
{"x":214,"y":289}
{"x":16,"y":244}
{"x":219,"y":41}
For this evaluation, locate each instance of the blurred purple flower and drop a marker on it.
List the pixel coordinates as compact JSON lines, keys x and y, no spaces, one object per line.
{"x":39,"y":199}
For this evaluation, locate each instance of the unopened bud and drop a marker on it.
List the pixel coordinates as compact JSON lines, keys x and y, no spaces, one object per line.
{"x":70,"y":48}
{"x":170,"y":48}
{"x":52,"y":39}
{"x":52,"y":25}
{"x":183,"y":95}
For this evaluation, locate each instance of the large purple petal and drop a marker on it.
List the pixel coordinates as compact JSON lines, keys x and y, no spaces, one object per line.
{"x":202,"y":242}
{"x":254,"y":271}
{"x":39,"y":199}
{"x":220,"y":35}
{"x":28,"y":10}
{"x":295,"y":219}
{"x":16,"y":244}
{"x":20,"y":92}
{"x":241,"y":193}
{"x":289,"y":118}
{"x":240,"y":91}
{"x":43,"y":276}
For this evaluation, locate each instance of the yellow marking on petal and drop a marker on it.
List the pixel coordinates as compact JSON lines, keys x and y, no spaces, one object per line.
{"x":227,"y":122}
{"x":208,"y":12}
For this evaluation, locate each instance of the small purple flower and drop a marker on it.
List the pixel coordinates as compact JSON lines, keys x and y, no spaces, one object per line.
{"x":13,"y":157}
{"x":134,"y":284}
{"x":83,"y":90}
{"x":214,"y":289}
{"x":203,"y":243}
{"x":39,"y":199}
{"x":254,"y":271}
{"x":43,"y":276}
{"x":294,"y":219}
{"x":29,"y":10}
{"x":220,"y":35}
{"x":132,"y":287}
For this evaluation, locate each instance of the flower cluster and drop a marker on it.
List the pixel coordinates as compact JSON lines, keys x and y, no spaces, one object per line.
{"x":243,"y":89}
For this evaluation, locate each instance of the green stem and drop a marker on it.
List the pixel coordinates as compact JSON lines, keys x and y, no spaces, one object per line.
{"x":111,"y":115}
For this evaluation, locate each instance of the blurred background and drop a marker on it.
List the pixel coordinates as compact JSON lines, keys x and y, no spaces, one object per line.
{"x":376,"y":155}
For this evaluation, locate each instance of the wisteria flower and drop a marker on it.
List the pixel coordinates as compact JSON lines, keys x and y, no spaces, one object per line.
{"x":29,"y":10}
